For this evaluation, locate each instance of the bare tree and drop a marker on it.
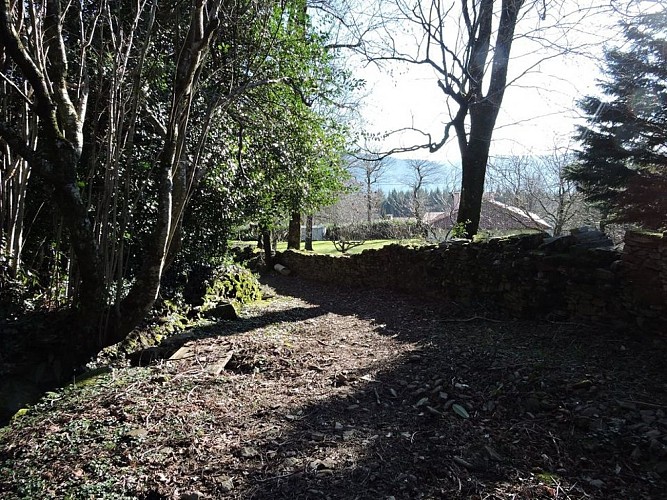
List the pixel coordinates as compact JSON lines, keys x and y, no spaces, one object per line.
{"x":468,"y":45}
{"x":14,"y":176}
{"x":422,"y":172}
{"x":371,"y":171}
{"x":537,"y":185}
{"x":348,"y":208}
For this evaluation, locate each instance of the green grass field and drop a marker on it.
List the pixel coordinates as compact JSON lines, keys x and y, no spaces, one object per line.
{"x":327,"y":247}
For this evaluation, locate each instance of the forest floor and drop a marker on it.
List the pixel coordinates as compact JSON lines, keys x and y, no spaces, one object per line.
{"x":330,"y":393}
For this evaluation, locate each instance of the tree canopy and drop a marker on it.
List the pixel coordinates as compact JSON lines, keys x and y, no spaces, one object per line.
{"x":130,"y":132}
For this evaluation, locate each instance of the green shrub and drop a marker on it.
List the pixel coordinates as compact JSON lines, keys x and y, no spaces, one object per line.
{"x":377,"y":230}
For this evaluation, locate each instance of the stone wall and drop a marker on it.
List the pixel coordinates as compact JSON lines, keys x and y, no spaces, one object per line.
{"x":644,"y":278}
{"x":523,"y":276}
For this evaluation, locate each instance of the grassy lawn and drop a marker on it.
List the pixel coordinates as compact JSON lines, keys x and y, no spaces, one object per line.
{"x":327,"y":247}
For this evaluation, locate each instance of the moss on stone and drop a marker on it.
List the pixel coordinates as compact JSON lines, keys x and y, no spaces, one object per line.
{"x":233,"y":282}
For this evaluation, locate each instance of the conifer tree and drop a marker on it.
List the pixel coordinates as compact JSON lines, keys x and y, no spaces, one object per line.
{"x":622,"y":166}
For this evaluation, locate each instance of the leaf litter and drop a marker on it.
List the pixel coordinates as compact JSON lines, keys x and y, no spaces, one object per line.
{"x":333,"y":393}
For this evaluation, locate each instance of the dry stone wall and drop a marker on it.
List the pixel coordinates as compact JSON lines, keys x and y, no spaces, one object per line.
{"x":644,"y":278}
{"x":524,"y":276}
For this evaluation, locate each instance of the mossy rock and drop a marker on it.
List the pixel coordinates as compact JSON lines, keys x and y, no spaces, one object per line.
{"x":91,"y":377}
{"x":220,"y":310}
{"x":233,"y":282}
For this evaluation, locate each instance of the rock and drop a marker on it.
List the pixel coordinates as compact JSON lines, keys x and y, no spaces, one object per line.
{"x":139,"y":433}
{"x":194,"y":495}
{"x":589,"y":237}
{"x":221,"y":310}
{"x":421,"y":402}
{"x":225,"y":483}
{"x":249,"y":452}
{"x":557,"y":243}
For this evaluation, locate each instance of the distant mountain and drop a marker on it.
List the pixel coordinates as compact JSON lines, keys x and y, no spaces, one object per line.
{"x":399,"y":174}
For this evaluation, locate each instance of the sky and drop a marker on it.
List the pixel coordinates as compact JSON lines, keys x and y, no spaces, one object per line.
{"x":538,"y":113}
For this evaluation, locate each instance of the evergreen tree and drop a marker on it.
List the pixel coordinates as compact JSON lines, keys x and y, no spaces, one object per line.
{"x":623,"y":164}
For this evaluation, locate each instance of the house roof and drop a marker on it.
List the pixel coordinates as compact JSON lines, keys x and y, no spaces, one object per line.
{"x":494,"y":215}
{"x":518,"y":215}
{"x":430,"y":217}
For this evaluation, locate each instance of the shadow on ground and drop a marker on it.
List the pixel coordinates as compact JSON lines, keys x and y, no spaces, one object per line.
{"x":480,"y":409}
{"x":221,"y":328}
{"x":358,"y":394}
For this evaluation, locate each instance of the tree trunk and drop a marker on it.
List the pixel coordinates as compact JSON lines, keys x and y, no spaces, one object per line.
{"x":369,"y":199}
{"x":309,"y":233}
{"x":483,"y":108}
{"x":268,"y":251}
{"x":474,"y":159}
{"x":294,"y":232}
{"x":164,"y":241}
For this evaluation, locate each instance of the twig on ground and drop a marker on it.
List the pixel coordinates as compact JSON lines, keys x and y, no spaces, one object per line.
{"x":463,"y":463}
{"x":642,"y":403}
{"x":472,"y":318}
{"x":280,"y":476}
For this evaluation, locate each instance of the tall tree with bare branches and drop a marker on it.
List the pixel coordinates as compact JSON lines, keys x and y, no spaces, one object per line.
{"x":468,"y":45}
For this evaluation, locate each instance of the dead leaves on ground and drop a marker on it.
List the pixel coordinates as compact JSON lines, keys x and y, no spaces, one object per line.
{"x":348,"y":394}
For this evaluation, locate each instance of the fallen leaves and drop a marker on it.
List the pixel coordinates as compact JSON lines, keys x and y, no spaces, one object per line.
{"x":331,"y":393}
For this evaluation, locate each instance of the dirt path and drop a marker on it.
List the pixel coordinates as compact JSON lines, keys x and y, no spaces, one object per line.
{"x":341,"y":394}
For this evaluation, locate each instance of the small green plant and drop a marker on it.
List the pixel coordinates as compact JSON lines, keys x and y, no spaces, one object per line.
{"x":459,"y":230}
